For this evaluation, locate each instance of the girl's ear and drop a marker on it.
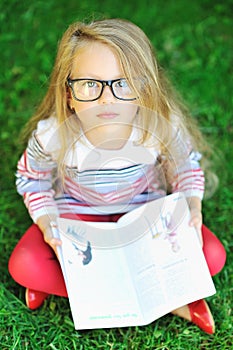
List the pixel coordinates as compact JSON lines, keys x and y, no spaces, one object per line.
{"x":69,"y":100}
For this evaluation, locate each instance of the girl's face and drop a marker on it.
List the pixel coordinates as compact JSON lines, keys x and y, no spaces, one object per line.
{"x":108,"y":120}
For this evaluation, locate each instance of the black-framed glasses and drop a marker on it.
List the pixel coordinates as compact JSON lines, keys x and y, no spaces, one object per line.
{"x":87,"y":90}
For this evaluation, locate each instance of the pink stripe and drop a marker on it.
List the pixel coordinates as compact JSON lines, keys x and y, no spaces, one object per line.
{"x":88,"y":195}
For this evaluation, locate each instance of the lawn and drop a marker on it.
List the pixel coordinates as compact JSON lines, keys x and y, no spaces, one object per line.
{"x":193,"y":41}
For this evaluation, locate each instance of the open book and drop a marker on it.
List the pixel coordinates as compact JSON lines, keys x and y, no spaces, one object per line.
{"x":136,"y":270}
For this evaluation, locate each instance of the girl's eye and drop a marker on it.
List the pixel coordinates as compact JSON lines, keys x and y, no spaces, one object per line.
{"x":122,"y":84}
{"x":87,"y":84}
{"x":91,"y":84}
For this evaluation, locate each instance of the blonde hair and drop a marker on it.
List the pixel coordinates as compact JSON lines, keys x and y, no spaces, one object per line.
{"x":162,"y":108}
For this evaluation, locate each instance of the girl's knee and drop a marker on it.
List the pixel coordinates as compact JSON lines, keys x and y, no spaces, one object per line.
{"x":21,"y":263}
{"x":214,"y":251}
{"x":28,"y":255}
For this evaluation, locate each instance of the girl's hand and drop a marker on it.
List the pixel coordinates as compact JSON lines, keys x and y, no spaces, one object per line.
{"x":44,"y":223}
{"x":196,"y":215}
{"x":196,"y":221}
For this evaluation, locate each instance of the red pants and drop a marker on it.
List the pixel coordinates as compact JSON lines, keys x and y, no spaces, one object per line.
{"x":34,"y":265}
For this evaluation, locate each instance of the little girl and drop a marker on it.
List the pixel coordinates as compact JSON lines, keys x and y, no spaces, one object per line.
{"x":108,"y":137}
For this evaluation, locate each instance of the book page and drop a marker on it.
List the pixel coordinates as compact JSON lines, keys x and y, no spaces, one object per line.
{"x":167,"y":263}
{"x":98,"y":280}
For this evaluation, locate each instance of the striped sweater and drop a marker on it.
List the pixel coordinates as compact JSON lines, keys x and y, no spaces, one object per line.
{"x":97,"y":181}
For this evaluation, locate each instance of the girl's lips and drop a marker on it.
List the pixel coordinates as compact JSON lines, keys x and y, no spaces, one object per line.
{"x":107,"y":115}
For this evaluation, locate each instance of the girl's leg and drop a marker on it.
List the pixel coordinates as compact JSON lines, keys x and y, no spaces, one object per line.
{"x":198,"y":312}
{"x":34,"y":265}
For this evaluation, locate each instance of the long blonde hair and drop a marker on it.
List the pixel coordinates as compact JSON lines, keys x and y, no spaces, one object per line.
{"x":137,"y":58}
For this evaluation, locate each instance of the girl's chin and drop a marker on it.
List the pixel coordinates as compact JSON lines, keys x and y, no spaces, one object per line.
{"x":109,"y":135}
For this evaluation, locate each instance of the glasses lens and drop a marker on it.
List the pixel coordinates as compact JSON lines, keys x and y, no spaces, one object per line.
{"x":122,"y":90}
{"x":87,"y":89}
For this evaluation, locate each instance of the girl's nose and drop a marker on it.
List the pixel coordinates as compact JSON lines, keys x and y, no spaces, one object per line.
{"x":107,"y":95}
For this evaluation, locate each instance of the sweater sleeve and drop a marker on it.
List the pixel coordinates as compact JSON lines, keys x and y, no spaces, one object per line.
{"x":35,"y":176}
{"x":189,"y":177}
{"x":184,"y":172}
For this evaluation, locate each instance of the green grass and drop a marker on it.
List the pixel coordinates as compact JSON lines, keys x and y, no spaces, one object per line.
{"x":194,"y":43}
